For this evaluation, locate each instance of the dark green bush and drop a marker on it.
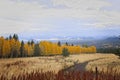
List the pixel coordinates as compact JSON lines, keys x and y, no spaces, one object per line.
{"x":65,"y":52}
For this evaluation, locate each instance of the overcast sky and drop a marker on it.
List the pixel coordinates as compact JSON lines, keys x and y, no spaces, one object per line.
{"x":50,"y":18}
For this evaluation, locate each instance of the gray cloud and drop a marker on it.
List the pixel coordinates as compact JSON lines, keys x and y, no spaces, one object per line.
{"x":39,"y":15}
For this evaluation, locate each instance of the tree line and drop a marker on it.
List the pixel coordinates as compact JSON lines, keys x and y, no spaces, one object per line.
{"x":109,"y":50}
{"x":11,"y":47}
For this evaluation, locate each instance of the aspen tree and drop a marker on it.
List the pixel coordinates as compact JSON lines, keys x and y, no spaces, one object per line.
{"x":6,"y":48}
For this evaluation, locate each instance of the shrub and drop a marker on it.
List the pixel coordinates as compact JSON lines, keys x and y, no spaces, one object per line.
{"x":65,"y":52}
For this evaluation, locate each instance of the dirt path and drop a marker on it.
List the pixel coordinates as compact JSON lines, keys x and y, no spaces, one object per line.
{"x":80,"y":66}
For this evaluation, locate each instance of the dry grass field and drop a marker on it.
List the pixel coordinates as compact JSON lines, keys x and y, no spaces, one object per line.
{"x":17,"y":66}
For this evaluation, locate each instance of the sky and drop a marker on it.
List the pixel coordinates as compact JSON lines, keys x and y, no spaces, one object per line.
{"x":60,"y":18}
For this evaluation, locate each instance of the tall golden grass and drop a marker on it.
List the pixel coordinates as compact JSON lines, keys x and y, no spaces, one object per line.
{"x":64,"y":75}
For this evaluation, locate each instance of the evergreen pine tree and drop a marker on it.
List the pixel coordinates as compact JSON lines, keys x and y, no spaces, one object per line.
{"x":37,"y":51}
{"x":15,"y":36}
{"x":59,"y":43}
{"x":65,"y":52}
{"x":66,"y":44}
{"x":10,"y":37}
{"x":32,"y":42}
{"x":22,"y":54}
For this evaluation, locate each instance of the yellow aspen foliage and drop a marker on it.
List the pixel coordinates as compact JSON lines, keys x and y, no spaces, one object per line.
{"x":28,"y":50}
{"x":1,"y":45}
{"x":17,"y":45}
{"x":6,"y":48}
{"x":77,"y":49}
{"x":43,"y":46}
{"x":93,"y":49}
{"x":14,"y":47}
{"x":49,"y":48}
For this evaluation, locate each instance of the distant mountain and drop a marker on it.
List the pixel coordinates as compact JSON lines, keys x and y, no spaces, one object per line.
{"x":57,"y":38}
{"x":109,"y":42}
{"x":113,"y":39}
